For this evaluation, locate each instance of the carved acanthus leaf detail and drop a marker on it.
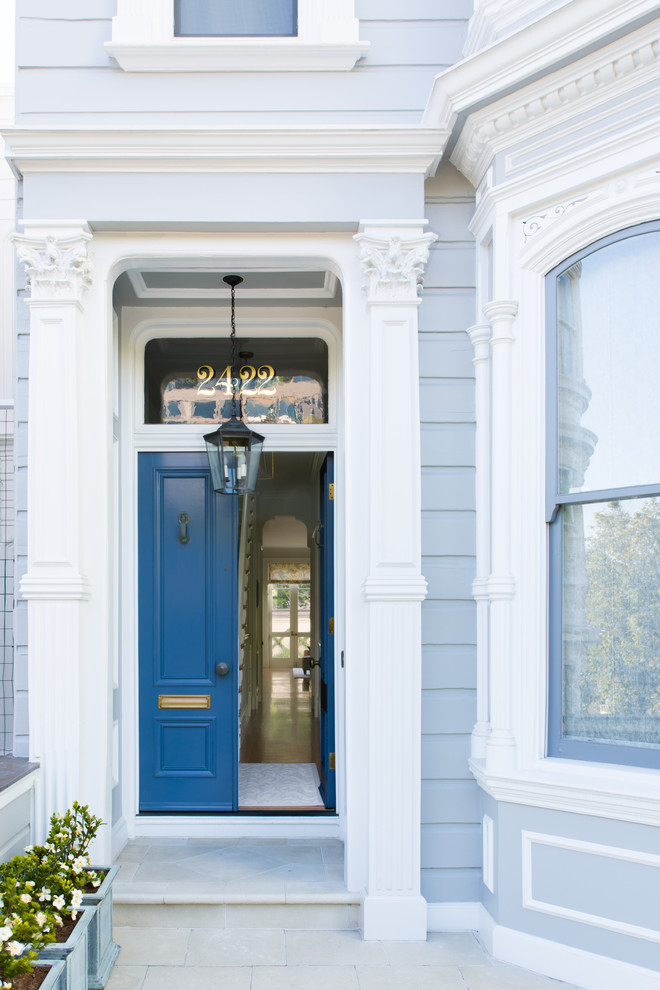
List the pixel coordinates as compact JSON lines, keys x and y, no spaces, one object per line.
{"x":394,"y":267}
{"x":57,"y":268}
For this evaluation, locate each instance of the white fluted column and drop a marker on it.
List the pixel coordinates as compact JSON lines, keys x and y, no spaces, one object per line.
{"x":500,"y":745}
{"x":58,"y":272}
{"x":393,"y":256}
{"x":480,"y":339}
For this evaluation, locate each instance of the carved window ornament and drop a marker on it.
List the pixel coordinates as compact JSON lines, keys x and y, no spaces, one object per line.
{"x":143,"y":40}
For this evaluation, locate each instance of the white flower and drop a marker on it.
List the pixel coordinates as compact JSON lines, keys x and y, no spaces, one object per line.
{"x":25,"y":898}
{"x":58,"y":919}
{"x":49,"y":846}
{"x":96,"y":882}
{"x":5,"y":933}
{"x":76,"y":899}
{"x":78,"y":864}
{"x":74,"y":915}
{"x":29,"y":883}
{"x":41,"y":918}
{"x":58,"y":902}
{"x":29,"y":849}
{"x":45,"y":894}
{"x":15,"y":948}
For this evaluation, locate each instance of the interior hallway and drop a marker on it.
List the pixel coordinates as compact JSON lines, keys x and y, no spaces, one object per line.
{"x":280,"y":750}
{"x":282,"y":729}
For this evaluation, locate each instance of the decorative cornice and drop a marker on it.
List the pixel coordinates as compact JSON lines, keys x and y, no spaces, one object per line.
{"x":544,"y":103}
{"x":369,"y":148}
{"x":57,"y":268}
{"x":394,"y":265}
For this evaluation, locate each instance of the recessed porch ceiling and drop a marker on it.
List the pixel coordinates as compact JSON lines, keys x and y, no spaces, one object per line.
{"x":151,"y":286}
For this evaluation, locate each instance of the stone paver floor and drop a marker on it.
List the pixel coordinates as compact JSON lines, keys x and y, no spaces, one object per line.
{"x":276,"y":959}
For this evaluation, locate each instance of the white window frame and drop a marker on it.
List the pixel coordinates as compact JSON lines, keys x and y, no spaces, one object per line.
{"x":328,"y":39}
{"x":530,"y":777}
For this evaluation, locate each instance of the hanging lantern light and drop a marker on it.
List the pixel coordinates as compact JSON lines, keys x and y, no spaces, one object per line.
{"x":234,"y":451}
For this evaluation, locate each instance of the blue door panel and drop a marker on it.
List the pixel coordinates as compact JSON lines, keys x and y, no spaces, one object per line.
{"x":184,"y":745}
{"x":187,"y":624}
{"x":327,"y":658}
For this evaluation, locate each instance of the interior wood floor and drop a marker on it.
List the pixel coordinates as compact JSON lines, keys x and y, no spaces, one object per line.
{"x":282,"y":729}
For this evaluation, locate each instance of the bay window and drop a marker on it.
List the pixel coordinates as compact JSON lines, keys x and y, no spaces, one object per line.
{"x":603,"y":500}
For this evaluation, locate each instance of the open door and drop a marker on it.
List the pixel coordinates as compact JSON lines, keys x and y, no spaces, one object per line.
{"x":327,"y":632}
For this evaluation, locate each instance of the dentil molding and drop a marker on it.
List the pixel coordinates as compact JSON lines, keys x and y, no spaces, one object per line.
{"x":57,"y":268}
{"x":394,"y":264}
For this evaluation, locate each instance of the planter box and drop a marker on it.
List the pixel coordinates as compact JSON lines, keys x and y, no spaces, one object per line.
{"x":56,"y":979}
{"x":102,"y":951}
{"x":73,"y":952}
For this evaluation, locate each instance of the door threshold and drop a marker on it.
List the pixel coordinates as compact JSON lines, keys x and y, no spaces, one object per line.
{"x":236,"y":825}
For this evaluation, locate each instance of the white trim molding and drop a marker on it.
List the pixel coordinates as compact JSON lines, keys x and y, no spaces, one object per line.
{"x":562,"y":962}
{"x":392,"y":255}
{"x":328,"y":40}
{"x":532,"y":903}
{"x":334,"y":149}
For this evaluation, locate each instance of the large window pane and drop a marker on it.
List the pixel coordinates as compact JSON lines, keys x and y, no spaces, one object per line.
{"x":608,"y":351}
{"x":611,"y":622}
{"x":235,"y":18}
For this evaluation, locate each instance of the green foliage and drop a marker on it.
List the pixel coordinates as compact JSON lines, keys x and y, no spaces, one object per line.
{"x":621,"y":676}
{"x":40,"y":886}
{"x":27,"y":923}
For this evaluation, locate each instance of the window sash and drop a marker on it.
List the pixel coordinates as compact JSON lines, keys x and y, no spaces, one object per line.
{"x":558,"y":745}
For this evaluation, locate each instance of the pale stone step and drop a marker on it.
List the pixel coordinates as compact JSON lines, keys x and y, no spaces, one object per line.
{"x":335,"y":912}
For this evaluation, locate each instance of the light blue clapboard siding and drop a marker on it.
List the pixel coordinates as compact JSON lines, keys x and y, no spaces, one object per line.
{"x":66,"y":73}
{"x":430,"y":42}
{"x":414,"y":10}
{"x":450,"y":803}
{"x":72,"y":43}
{"x":449,"y":666}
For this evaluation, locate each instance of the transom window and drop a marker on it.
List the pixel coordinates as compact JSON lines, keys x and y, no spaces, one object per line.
{"x":604,"y":501}
{"x":235,"y":18}
{"x":279,"y":380}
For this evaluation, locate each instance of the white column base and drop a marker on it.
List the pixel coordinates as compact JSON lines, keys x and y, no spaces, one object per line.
{"x":394,"y":918}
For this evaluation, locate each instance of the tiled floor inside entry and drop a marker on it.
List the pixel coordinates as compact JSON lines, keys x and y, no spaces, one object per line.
{"x":273,"y":915}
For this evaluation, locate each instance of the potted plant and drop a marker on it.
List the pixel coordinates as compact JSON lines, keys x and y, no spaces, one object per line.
{"x":70,"y":837}
{"x":55,"y":885}
{"x":27,"y":926}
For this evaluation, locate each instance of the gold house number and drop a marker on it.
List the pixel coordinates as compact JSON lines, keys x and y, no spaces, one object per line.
{"x":248,"y":374}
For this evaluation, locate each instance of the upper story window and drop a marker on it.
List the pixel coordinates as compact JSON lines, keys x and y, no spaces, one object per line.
{"x":235,"y":18}
{"x":236,"y":36}
{"x":604,"y":501}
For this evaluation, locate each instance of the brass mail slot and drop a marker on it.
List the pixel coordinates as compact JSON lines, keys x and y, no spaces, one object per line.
{"x":184,"y":700}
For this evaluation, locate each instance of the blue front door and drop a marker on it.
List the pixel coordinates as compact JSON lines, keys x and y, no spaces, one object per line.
{"x":187,"y":637}
{"x":327,"y":632}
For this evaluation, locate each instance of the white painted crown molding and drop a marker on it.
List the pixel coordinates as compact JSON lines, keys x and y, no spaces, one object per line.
{"x":496,"y":19}
{"x":547,"y":104}
{"x":556,"y":39}
{"x":358,"y":148}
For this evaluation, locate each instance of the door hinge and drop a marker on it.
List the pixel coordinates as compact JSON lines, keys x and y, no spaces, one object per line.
{"x":331,"y":761}
{"x":331,"y":626}
{"x":331,"y":491}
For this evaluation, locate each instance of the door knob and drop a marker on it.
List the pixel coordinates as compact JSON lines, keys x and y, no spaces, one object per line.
{"x":314,"y":663}
{"x":222,"y":668}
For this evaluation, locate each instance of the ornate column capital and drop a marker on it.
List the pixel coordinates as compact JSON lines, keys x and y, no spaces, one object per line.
{"x":56,"y":260}
{"x":393,"y":255}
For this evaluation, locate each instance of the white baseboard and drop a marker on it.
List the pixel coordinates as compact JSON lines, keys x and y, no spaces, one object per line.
{"x":461,"y":916}
{"x":119,"y":837}
{"x":563,"y":962}
{"x":238,"y":826}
